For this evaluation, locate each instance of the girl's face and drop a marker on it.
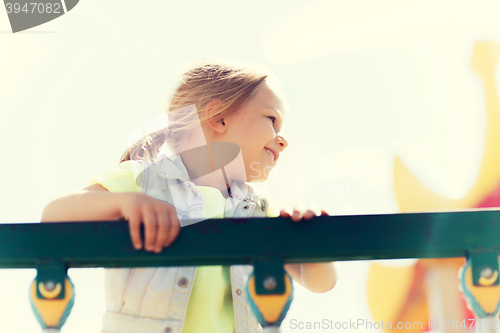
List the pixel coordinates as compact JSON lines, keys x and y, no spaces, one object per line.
{"x":255,"y":128}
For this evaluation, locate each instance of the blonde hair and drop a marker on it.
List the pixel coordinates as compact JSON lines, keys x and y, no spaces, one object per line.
{"x":231,"y":83}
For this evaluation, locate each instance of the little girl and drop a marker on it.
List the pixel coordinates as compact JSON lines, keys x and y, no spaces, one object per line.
{"x":174,"y":178}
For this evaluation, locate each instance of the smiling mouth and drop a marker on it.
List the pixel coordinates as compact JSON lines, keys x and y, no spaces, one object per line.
{"x":271,"y":154}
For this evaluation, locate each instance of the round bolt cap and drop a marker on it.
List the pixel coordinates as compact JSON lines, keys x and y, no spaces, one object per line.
{"x":270,"y":283}
{"x":487,"y":272}
{"x":238,"y":291}
{"x":182,"y":282}
{"x":50,"y":285}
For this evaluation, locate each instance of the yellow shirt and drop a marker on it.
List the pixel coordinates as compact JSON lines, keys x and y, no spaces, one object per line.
{"x":210,"y":307}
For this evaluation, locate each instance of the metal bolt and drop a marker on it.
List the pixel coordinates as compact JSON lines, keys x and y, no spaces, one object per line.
{"x":245,"y":207}
{"x":270,"y":283}
{"x":238,"y":291}
{"x":167,"y":330}
{"x":50,"y":285}
{"x":263,"y":205}
{"x":487,"y":272}
{"x":183,"y":282}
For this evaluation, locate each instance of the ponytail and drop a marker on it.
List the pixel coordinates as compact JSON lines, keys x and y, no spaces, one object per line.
{"x":146,"y":148}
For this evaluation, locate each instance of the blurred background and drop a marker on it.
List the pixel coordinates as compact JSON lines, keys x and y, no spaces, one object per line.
{"x":368,"y":83}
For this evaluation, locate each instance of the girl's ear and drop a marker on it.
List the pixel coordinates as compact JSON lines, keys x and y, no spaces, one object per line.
{"x":212,"y":109}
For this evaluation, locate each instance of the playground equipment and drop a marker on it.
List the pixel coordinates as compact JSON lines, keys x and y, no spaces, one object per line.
{"x":265,"y":243}
{"x":420,"y":287}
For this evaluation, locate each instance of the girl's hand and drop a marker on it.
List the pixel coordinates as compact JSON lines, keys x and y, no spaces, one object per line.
{"x":298,"y":213}
{"x":318,"y":277}
{"x":161,"y":224}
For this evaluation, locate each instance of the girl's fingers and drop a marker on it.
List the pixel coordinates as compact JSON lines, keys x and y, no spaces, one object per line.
{"x":163,"y":230}
{"x":284,"y":213}
{"x":134,"y":223}
{"x":309,"y":214}
{"x":150,"y":228}
{"x":296,"y":215}
{"x":175,"y":227}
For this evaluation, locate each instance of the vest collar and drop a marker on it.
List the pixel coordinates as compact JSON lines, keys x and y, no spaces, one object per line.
{"x":172,"y":167}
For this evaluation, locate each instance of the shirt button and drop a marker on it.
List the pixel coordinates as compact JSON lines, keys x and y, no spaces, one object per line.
{"x":238,"y":291}
{"x":182,"y":282}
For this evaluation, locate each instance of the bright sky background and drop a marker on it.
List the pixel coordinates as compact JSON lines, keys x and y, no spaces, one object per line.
{"x":366,"y":81}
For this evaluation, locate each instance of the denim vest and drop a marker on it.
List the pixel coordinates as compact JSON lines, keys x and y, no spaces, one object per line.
{"x":155,"y":300}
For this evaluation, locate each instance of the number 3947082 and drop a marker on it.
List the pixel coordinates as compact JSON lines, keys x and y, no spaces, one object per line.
{"x":34,"y":7}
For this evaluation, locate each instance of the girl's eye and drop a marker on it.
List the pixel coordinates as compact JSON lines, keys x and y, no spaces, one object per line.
{"x":272,"y":118}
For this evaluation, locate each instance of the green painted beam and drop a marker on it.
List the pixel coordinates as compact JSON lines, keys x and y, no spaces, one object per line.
{"x":243,"y":241}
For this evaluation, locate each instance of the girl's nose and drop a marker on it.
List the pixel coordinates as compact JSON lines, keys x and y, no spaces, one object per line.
{"x":282,"y":143}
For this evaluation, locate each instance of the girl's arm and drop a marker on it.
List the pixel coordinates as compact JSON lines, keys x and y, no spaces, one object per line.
{"x":161,"y":224}
{"x":92,"y":203}
{"x":318,"y":277}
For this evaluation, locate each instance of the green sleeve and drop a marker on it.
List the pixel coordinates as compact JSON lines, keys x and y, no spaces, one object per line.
{"x":124,"y":178}
{"x":273,"y":212}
